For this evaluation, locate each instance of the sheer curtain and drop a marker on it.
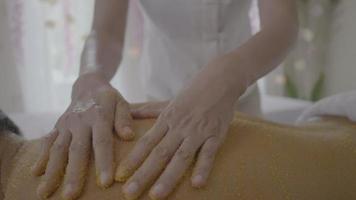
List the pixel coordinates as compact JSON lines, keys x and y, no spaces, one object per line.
{"x":45,"y":39}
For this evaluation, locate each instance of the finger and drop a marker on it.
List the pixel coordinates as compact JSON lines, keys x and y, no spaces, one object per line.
{"x":136,"y":106}
{"x":56,"y":165}
{"x":123,"y":121}
{"x":103,"y":145}
{"x":145,"y":113}
{"x":152,"y":167}
{"x":175,"y":170}
{"x":147,"y":110}
{"x":79,"y":155}
{"x":39,"y":167}
{"x":205,"y":162}
{"x":140,"y":151}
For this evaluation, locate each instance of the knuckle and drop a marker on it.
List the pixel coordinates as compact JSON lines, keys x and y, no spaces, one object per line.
{"x":215,"y":125}
{"x":165,"y":115}
{"x":163,"y":120}
{"x":77,"y":148}
{"x":145,"y":141}
{"x":184,"y":155}
{"x":209,"y":154}
{"x":47,"y":139}
{"x":109,"y":92}
{"x":71,"y":180}
{"x":102,"y":141}
{"x":203,"y":169}
{"x":169,"y":114}
{"x":204,"y":124}
{"x":162,"y":152}
{"x":58,"y":148}
{"x":101,"y":113}
{"x":75,"y":118}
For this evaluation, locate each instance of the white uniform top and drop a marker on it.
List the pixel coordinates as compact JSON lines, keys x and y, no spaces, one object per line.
{"x":179,"y":38}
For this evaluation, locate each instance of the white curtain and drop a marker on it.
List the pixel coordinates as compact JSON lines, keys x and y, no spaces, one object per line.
{"x":46,"y":38}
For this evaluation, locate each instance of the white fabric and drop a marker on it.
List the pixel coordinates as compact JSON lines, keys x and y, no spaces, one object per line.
{"x":180,"y":37}
{"x":342,"y":105}
{"x":283,"y":109}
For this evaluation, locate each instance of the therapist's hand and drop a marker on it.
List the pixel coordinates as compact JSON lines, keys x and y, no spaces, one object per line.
{"x":87,"y":125}
{"x":192,"y":123}
{"x":147,"y":110}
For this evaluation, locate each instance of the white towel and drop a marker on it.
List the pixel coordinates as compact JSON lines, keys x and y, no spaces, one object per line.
{"x":342,"y":105}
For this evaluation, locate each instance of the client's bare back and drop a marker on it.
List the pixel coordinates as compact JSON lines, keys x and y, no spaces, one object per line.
{"x":259,"y":160}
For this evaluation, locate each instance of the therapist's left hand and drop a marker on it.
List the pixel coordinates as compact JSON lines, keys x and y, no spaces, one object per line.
{"x":191,"y":123}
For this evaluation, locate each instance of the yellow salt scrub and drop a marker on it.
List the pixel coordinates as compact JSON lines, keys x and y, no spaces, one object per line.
{"x":259,"y":160}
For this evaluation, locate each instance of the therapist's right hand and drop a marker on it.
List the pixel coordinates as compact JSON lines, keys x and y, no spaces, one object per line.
{"x":96,"y":111}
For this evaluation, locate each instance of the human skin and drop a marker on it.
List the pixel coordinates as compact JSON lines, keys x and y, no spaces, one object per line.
{"x":208,"y":99}
{"x":71,"y":141}
{"x":198,"y":117}
{"x":258,"y":160}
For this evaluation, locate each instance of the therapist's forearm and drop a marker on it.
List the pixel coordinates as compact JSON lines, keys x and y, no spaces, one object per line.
{"x":99,"y":62}
{"x":260,"y":55}
{"x":103,"y":49}
{"x":237,"y":70}
{"x":102,"y":54}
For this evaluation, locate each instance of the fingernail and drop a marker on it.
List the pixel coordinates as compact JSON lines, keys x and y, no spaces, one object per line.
{"x":157,"y":191}
{"x":105,"y":179}
{"x":121,"y":174}
{"x":68,"y":191}
{"x":127,"y":133}
{"x":130,"y":190}
{"x":198,"y":181}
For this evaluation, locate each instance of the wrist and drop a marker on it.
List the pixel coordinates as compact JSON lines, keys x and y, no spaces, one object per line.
{"x":87,"y":82}
{"x":215,"y":82}
{"x":209,"y":92}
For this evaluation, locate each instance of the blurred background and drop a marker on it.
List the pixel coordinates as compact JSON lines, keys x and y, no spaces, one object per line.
{"x":41,"y":42}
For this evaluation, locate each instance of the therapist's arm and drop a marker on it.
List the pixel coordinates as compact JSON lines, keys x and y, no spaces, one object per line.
{"x":239,"y":69}
{"x":103,"y":49}
{"x":106,"y":40}
{"x":95,"y":111}
{"x":196,"y":121}
{"x":264,"y":51}
{"x":242,"y":67}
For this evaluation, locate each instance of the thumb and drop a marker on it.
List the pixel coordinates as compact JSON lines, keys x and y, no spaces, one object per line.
{"x":147,"y":110}
{"x":123,"y":121}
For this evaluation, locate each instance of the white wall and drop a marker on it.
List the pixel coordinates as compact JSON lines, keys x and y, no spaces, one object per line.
{"x":341,"y":67}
